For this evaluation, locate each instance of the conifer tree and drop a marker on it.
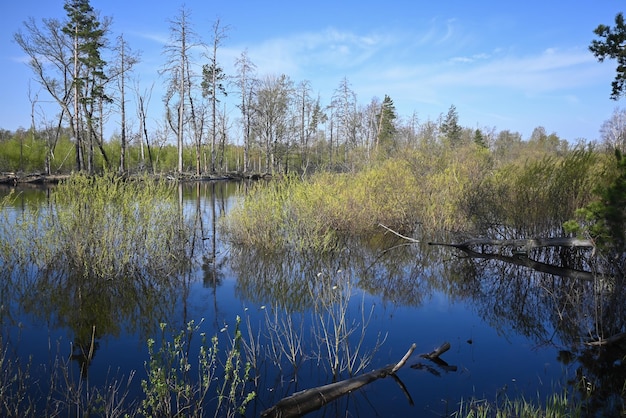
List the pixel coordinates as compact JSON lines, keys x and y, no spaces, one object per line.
{"x":612,"y":46}
{"x":385,"y":138}
{"x":89,"y":76}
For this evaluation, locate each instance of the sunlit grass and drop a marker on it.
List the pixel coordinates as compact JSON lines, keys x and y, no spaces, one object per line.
{"x":311,"y":214}
{"x":103,"y":227}
{"x":557,"y":405}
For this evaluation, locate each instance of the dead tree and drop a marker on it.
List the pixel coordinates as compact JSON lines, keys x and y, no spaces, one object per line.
{"x":309,"y":400}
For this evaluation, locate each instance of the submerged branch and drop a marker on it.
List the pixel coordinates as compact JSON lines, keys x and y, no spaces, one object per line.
{"x":309,"y":400}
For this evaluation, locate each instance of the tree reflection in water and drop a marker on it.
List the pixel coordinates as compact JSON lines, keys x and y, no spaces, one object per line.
{"x":557,"y":297}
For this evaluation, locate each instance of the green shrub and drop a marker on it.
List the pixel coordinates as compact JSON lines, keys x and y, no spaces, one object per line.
{"x":102,"y":227}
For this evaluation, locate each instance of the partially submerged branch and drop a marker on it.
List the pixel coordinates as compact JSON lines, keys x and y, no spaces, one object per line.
{"x":400,"y":235}
{"x":437,"y":351}
{"x":309,"y":400}
{"x":434,"y":356}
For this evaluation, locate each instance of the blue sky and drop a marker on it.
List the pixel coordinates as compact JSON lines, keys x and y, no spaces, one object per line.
{"x":508,"y":65}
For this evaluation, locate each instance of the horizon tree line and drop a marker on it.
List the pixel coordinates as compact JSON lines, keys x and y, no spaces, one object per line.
{"x":89,"y":77}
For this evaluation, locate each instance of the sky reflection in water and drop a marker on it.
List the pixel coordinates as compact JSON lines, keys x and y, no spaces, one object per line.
{"x":422,"y":303}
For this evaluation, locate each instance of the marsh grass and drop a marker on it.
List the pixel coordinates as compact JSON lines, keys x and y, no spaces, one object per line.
{"x":313,"y":214}
{"x":460,"y":190}
{"x":558,"y":405}
{"x":100,"y":227}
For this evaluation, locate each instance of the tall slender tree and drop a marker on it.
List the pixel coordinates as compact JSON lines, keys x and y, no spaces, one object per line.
{"x":214,"y":83}
{"x":345,"y":112}
{"x":178,"y":52}
{"x":89,"y":77}
{"x":385,"y":138}
{"x":246,"y":83}
{"x":450,"y":127}
{"x":310,"y":116}
{"x":126,"y":60}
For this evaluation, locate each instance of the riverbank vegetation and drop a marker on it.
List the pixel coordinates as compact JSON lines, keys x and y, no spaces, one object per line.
{"x":464,"y":190}
{"x":100,"y":228}
{"x":340,"y":170}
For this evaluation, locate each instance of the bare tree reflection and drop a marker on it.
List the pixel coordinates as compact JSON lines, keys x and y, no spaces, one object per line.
{"x":568,"y":299}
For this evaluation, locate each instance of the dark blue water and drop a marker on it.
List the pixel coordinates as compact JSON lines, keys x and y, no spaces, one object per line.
{"x":496,"y":351}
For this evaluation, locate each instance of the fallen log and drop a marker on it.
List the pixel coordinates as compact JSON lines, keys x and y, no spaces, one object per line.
{"x":309,"y":400}
{"x":525,"y":244}
{"x":433,"y":356}
{"x":522,"y":260}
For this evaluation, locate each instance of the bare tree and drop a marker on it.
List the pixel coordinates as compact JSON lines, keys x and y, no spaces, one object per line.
{"x":213,"y":83}
{"x":49,"y":51}
{"x":143,"y":100}
{"x":246,"y":82}
{"x":126,"y":60}
{"x":613,"y":131}
{"x":310,"y":116}
{"x":271,"y":107}
{"x":177,"y":68}
{"x":345,"y":112}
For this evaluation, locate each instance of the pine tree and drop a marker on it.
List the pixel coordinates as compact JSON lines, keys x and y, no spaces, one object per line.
{"x":385,"y":138}
{"x":613,"y":46}
{"x":450,"y":127}
{"x":89,"y":76}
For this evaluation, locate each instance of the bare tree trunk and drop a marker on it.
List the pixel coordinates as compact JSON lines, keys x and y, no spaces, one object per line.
{"x":123,"y":106}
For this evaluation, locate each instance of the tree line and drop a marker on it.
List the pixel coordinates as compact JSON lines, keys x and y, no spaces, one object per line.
{"x":89,"y":73}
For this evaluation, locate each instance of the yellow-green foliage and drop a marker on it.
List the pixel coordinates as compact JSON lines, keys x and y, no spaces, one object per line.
{"x":446,"y":178}
{"x":457,"y":189}
{"x":101,"y":227}
{"x":308,"y":213}
{"x":531,"y":195}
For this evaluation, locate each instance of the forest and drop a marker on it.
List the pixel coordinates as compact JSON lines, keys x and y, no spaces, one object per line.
{"x":346,"y":171}
{"x":212,"y":121}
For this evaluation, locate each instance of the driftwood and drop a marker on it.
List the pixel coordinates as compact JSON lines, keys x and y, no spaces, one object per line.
{"x":413,"y":240}
{"x":15,"y":179}
{"x":522,"y":260}
{"x":309,"y":400}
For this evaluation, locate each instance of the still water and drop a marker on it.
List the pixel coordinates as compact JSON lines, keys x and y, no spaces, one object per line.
{"x":513,"y":332}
